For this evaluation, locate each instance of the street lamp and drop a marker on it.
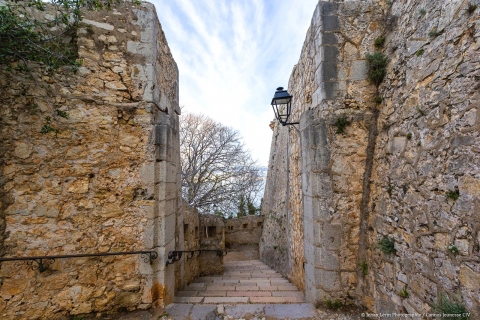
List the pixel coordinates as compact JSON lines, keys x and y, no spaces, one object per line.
{"x":282,"y":106}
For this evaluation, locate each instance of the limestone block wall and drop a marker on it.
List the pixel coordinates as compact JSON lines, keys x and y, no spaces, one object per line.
{"x":212,"y":237}
{"x":244,"y":230}
{"x":108,"y":182}
{"x":274,"y":240}
{"x":187,"y":269}
{"x":322,"y":221}
{"x":427,"y":146}
{"x":405,"y":168}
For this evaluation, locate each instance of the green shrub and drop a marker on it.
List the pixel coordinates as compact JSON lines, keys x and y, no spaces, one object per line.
{"x":471,"y":8}
{"x":420,"y":52}
{"x":387,"y":245}
{"x":364,"y":267}
{"x":453,"y":194}
{"x":341,"y":123}
{"x":451,"y":306}
{"x":404,"y":293}
{"x":453,"y":249}
{"x":380,"y":41}
{"x":422,"y":12}
{"x":378,"y":99}
{"x":409,"y":136}
{"x":376,"y":67}
{"x":333,"y":305}
{"x":390,"y":189}
{"x":434,"y":33}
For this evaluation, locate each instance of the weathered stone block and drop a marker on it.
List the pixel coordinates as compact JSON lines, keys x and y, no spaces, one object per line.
{"x":167,"y":172}
{"x":328,"y":280}
{"x":461,"y":140}
{"x":469,"y":278}
{"x":463,"y":246}
{"x":330,"y":23}
{"x":358,"y":70}
{"x":470,"y":185}
{"x":331,"y":236}
{"x":329,"y":38}
{"x":326,"y":259}
{"x":329,"y":71}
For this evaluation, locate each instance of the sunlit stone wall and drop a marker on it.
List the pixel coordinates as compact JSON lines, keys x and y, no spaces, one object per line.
{"x":108,"y":182}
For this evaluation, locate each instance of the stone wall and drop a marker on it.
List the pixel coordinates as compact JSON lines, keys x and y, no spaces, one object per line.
{"x":108,"y":182}
{"x":188,"y":268}
{"x":212,"y":237}
{"x":391,"y":171}
{"x":244,"y":230}
{"x":320,"y":229}
{"x":281,"y":243}
{"x":427,"y":146}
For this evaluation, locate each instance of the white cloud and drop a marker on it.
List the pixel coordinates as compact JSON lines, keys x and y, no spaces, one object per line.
{"x":232,"y":55}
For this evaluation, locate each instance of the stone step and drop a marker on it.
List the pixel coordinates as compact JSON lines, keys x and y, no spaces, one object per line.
{"x":247,"y":290}
{"x":184,"y":311}
{"x":243,"y":282}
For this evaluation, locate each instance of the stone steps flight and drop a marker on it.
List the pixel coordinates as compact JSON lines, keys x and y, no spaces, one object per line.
{"x":247,"y":289}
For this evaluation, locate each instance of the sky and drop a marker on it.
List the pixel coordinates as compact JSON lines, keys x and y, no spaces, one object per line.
{"x":232,"y":55}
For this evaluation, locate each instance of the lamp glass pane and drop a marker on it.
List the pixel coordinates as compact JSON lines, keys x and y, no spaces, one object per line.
{"x":282,"y":100}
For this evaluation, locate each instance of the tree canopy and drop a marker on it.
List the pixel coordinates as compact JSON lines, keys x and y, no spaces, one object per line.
{"x":218,"y":173}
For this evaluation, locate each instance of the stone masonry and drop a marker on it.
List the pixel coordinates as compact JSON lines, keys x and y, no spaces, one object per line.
{"x":324,"y":188}
{"x":187,"y":269}
{"x":212,"y":237}
{"x":243,"y":231}
{"x":108,"y":182}
{"x":405,"y":168}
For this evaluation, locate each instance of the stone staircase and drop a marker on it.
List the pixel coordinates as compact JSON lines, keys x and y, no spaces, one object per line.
{"x":247,"y":290}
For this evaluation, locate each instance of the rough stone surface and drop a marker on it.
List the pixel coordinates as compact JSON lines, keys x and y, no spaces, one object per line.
{"x":315,"y":181}
{"x":430,"y":113}
{"x":284,"y":311}
{"x":243,"y":231}
{"x":187,"y":269}
{"x":330,"y":197}
{"x":212,"y":237}
{"x":101,"y":184}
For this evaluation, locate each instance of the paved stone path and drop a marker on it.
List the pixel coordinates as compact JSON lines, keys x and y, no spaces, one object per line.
{"x":249,"y":281}
{"x":183,"y":311}
{"x":247,"y":290}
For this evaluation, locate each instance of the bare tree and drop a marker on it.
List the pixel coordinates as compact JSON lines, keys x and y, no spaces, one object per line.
{"x":216,"y":168}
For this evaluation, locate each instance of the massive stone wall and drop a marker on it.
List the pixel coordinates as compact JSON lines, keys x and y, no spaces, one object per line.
{"x":427,"y":146}
{"x":243,"y":231}
{"x":281,"y":242}
{"x":188,"y":268}
{"x":212,"y":237}
{"x":108,"y":182}
{"x":328,"y":83}
{"x":391,"y":170}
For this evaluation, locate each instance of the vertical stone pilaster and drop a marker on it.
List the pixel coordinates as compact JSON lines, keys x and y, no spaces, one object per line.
{"x":322,"y":234}
{"x":169,"y":218}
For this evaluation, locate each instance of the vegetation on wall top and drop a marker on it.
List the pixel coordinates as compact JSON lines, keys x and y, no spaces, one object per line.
{"x":44,"y":33}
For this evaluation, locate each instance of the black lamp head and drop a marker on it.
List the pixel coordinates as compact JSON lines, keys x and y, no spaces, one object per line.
{"x":282,"y":105}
